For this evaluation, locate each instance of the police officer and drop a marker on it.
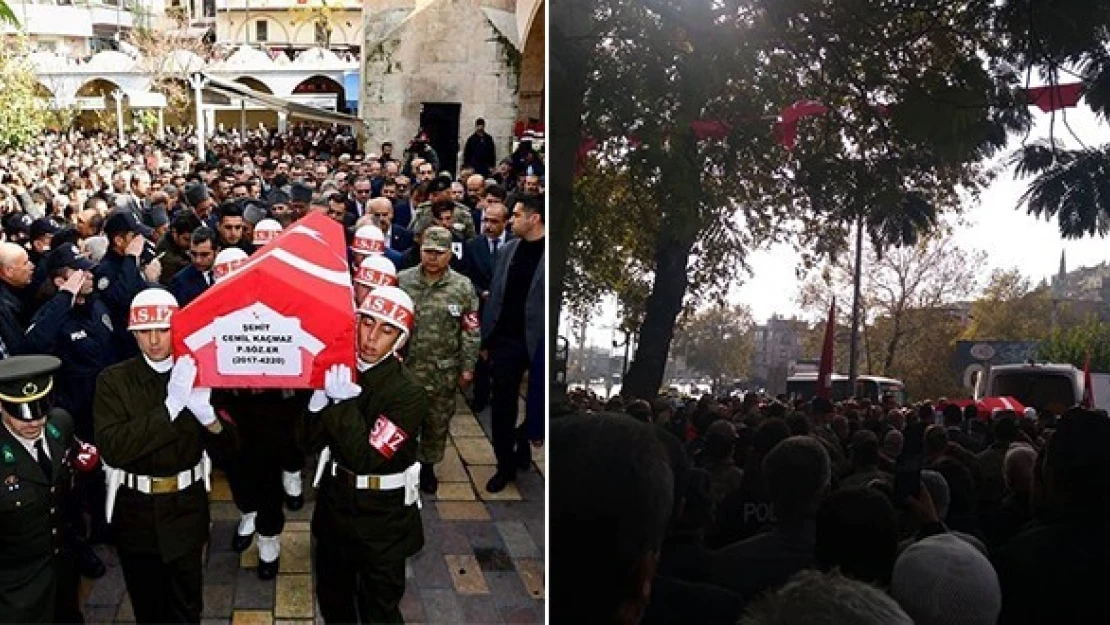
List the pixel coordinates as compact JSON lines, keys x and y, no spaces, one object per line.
{"x":153,"y":426}
{"x":118,"y":277}
{"x":75,"y":326}
{"x":38,"y":580}
{"x":444,"y":343}
{"x":367,"y":517}
{"x":439,"y":190}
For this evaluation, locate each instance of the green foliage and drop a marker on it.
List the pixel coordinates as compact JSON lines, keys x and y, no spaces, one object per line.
{"x":23,"y":114}
{"x":7,"y":16}
{"x":1010,"y":309}
{"x":717,"y":342}
{"x":1071,"y":345}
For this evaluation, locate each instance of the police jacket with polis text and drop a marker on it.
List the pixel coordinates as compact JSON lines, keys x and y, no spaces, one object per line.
{"x":81,"y":337}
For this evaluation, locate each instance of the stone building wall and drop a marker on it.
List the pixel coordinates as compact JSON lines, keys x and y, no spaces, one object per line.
{"x":443,"y":51}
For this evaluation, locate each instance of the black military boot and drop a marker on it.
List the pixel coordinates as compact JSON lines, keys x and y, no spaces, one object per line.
{"x":428,"y":482}
{"x":269,"y":556}
{"x":291,"y":484}
{"x":499,"y":481}
{"x":244,"y":534}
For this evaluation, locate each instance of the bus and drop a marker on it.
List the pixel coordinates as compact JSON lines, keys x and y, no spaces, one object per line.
{"x":873,"y":387}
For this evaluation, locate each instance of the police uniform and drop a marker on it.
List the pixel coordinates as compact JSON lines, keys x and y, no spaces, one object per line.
{"x":38,"y":580}
{"x":118,"y":280}
{"x":444,"y":343}
{"x":365,"y":526}
{"x":157,"y":475}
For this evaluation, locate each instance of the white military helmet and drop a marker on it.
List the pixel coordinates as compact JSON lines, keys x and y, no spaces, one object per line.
{"x":375,"y":271}
{"x":391,"y":305}
{"x":267,"y":230}
{"x":368,"y":240}
{"x":152,"y":309}
{"x":227,"y":261}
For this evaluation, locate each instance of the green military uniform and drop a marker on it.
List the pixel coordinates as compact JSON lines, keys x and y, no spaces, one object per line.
{"x":160,"y":536}
{"x":462,"y":223}
{"x":38,"y":578}
{"x":364,"y":535}
{"x":444,"y":341}
{"x":174,"y":259}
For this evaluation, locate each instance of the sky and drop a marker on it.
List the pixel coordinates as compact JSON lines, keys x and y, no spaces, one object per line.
{"x":1008,"y":236}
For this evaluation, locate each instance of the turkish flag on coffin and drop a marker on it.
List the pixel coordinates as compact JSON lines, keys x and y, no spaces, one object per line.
{"x":279,"y":321}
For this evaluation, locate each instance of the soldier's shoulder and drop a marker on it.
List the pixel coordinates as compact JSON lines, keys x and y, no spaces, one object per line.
{"x":457,"y":280}
{"x":408,"y":276}
{"x":121,"y":370}
{"x":62,"y":421}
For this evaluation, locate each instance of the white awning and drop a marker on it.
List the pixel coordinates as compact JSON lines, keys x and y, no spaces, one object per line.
{"x":146,"y":100}
{"x":293,"y":109}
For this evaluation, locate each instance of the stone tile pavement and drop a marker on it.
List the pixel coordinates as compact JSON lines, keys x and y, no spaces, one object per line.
{"x":482,"y":562}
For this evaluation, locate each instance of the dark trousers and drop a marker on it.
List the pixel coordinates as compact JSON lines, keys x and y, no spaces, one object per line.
{"x":481,"y":385}
{"x":66,"y":608}
{"x":355,"y":592}
{"x":254,"y":476}
{"x":164,"y":592}
{"x":508,"y":362}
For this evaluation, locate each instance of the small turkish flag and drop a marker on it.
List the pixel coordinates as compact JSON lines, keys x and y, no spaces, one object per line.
{"x":1055,"y":97}
{"x":788,"y":119}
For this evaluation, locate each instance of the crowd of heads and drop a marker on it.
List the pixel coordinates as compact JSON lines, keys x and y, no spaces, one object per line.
{"x":789,"y":511}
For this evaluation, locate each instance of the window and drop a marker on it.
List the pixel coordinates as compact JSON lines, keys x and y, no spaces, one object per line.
{"x":261,"y":31}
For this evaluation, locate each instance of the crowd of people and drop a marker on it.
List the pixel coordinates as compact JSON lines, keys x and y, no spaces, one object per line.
{"x":761,"y":510}
{"x":102,"y":243}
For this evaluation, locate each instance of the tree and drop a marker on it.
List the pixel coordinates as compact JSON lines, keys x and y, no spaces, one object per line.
{"x":913,"y":111}
{"x":717,"y":342}
{"x":1073,"y":345}
{"x":1010,"y":309}
{"x":1069,"y":184}
{"x":7,"y":16}
{"x":907,"y":303}
{"x":23,"y":114}
{"x":160,"y":57}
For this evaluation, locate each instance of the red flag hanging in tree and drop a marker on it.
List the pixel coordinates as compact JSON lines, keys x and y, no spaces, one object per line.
{"x":1088,"y":389}
{"x":824,"y":371}
{"x":1055,"y":97}
{"x":787,"y":125}
{"x":710,"y":129}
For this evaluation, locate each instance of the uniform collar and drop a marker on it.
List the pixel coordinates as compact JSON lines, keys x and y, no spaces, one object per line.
{"x":159,"y":367}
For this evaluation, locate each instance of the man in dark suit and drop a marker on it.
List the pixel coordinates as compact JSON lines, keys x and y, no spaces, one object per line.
{"x":396,"y":238}
{"x":359,"y":198}
{"x":190,"y":282}
{"x":512,"y":329}
{"x":481,"y":254}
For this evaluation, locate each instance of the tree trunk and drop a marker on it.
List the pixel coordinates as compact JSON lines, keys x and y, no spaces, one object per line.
{"x":645,"y":376}
{"x":569,"y":64}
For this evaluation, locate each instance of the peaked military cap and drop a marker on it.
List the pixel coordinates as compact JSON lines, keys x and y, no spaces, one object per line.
{"x":25,"y":385}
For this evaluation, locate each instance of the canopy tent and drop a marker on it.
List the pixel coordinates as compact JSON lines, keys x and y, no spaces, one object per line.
{"x":230,"y":89}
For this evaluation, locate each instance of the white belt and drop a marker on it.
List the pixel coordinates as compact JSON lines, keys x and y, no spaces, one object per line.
{"x":150,"y":485}
{"x":409,"y":479}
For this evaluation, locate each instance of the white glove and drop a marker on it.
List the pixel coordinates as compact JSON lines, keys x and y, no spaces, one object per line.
{"x":180,"y":387}
{"x":200,"y":404}
{"x":319,"y":400}
{"x":338,"y":385}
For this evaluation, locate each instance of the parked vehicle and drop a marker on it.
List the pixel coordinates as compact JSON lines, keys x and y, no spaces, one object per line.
{"x":1043,"y":385}
{"x":873,"y":387}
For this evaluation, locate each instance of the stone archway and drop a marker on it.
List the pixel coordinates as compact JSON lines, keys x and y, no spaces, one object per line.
{"x":319,"y":85}
{"x":532,"y":70}
{"x":99,"y":111}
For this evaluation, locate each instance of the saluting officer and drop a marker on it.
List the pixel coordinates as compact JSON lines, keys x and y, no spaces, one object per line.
{"x":38,"y":578}
{"x":444,"y":345}
{"x":367,"y":517}
{"x":153,"y":426}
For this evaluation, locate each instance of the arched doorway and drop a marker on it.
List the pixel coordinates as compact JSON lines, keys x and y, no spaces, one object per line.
{"x":231,"y":116}
{"x":180,"y":107}
{"x":323,"y":92}
{"x":97,"y":104}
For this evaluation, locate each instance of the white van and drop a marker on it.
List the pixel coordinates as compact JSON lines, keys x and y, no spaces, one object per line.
{"x":874,"y":387}
{"x":1043,"y":385}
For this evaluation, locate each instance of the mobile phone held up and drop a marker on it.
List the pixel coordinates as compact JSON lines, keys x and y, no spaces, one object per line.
{"x":907,"y":467}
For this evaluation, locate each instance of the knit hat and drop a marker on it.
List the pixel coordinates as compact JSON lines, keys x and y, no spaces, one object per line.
{"x":938,"y":490}
{"x":942,"y":580}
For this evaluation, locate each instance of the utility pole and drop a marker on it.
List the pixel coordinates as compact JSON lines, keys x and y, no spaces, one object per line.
{"x":853,"y":350}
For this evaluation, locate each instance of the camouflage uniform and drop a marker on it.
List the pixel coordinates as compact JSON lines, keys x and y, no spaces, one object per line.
{"x":444,"y":341}
{"x":462,"y":223}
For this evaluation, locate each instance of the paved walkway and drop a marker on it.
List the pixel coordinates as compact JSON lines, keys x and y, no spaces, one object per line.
{"x":482,"y":562}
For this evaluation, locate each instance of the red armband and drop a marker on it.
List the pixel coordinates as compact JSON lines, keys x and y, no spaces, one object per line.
{"x":387,"y":437}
